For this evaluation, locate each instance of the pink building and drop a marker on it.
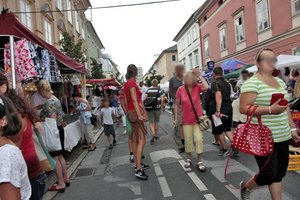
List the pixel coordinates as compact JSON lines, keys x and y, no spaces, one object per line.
{"x":238,"y":29}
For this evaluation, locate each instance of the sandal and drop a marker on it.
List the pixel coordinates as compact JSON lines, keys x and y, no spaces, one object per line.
{"x":54,"y":188}
{"x":187,"y":163}
{"x":201,"y":167}
{"x":92,"y":148}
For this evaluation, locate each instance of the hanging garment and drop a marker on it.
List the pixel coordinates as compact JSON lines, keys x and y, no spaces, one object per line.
{"x":55,"y":75}
{"x":45,"y":63}
{"x":25,"y":69}
{"x":36,"y":60}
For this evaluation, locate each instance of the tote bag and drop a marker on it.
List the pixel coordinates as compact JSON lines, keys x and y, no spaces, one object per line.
{"x":51,"y":133}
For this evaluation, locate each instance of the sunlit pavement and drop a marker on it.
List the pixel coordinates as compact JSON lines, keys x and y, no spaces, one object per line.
{"x":107,"y":174}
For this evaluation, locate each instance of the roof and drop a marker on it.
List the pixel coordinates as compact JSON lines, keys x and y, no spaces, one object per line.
{"x":99,"y":42}
{"x":10,"y":26}
{"x":185,"y":27}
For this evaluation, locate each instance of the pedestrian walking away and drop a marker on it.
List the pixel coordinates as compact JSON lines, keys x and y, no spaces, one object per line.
{"x":154,"y":105}
{"x":191,"y":128}
{"x":258,"y":91}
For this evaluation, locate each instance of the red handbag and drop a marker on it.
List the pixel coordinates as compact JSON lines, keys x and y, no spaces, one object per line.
{"x":254,"y":139}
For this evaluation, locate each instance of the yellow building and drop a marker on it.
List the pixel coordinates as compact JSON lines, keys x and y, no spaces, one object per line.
{"x":51,"y":25}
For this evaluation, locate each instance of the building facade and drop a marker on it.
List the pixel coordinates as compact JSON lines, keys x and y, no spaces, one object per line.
{"x":109,"y":67}
{"x":140,"y":74}
{"x":188,"y":44}
{"x":94,"y":45}
{"x":51,"y":25}
{"x":165,"y":64}
{"x":239,"y":29}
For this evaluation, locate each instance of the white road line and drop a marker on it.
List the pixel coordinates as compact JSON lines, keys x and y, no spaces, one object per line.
{"x":157,"y":169}
{"x":164,"y":187}
{"x":200,"y":185}
{"x":182,"y":162}
{"x":209,"y":197}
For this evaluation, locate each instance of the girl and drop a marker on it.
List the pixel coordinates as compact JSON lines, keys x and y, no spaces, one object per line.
{"x":107,"y":114}
{"x":14,"y":182}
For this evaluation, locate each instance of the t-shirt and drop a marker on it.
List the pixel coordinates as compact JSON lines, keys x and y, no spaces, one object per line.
{"x":240,"y":83}
{"x":127,"y":86}
{"x":13,"y":169}
{"x":107,"y":115}
{"x":224,"y":87}
{"x":53,"y":106}
{"x":188,"y":116}
{"x":277,"y":123}
{"x":174,"y":84}
{"x":143,"y":91}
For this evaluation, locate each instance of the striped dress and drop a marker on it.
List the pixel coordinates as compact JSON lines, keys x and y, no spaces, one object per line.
{"x":277,"y":123}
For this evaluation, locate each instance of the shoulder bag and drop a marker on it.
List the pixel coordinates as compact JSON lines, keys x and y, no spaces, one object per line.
{"x":203,"y":121}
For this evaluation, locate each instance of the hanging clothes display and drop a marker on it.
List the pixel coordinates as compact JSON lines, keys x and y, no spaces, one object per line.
{"x":36,"y":59}
{"x":55,"y":75}
{"x":45,"y":63}
{"x":24,"y":65}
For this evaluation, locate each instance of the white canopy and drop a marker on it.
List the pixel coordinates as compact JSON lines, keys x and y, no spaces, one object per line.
{"x":283,"y":61}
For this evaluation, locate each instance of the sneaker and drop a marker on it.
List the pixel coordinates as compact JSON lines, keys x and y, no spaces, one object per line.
{"x":235,"y":152}
{"x":144,"y":166}
{"x":110,"y":146}
{"x":141,"y":174}
{"x":156,"y":137}
{"x":181,"y":150}
{"x":152,"y":140}
{"x":245,"y":193}
{"x":223,"y":152}
{"x":131,"y":158}
{"x":114,"y":142}
{"x":143,"y":157}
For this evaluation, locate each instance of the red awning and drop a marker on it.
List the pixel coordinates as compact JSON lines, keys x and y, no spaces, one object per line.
{"x":9,"y":25}
{"x":106,"y":81}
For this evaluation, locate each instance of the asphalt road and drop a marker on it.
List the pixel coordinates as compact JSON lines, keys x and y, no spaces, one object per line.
{"x":108,"y":175}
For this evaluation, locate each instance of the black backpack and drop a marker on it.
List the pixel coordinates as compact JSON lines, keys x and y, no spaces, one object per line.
{"x":153,"y":100}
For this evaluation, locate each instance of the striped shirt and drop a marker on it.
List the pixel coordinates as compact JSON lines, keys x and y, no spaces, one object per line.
{"x":277,"y":123}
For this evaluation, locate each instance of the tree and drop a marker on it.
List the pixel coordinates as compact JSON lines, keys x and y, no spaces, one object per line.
{"x":71,"y":48}
{"x":153,"y":75}
{"x":96,"y":71}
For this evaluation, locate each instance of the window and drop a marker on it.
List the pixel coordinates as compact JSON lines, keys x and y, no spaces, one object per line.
{"x":76,"y":16}
{"x":191,"y":61}
{"x":239,"y":28}
{"x":262,"y":13}
{"x":59,"y":4}
{"x":47,"y":31}
{"x":174,"y":58}
{"x":222,"y":34}
{"x":69,"y":7}
{"x":206,"y":47}
{"x":196,"y":57}
{"x":183,"y":61}
{"x":195,"y":33}
{"x":296,"y":51}
{"x":189,"y":38}
{"x":26,"y":17}
{"x":296,"y":6}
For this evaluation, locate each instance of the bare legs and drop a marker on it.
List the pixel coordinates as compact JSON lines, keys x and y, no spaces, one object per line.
{"x":61,"y":172}
{"x":138,"y":149}
{"x":221,"y":139}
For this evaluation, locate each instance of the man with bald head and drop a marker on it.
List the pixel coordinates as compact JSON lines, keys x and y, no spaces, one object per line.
{"x":174,"y":83}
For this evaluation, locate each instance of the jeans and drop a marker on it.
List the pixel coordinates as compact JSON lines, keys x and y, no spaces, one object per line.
{"x":38,"y":187}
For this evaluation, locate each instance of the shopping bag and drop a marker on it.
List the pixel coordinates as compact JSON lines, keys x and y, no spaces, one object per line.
{"x":46,"y":161}
{"x":51,"y":133}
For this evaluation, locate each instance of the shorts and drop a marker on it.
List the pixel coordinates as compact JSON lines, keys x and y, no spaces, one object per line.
{"x":193,"y":135}
{"x":109,"y":129}
{"x":225,"y":127}
{"x":154,"y":116}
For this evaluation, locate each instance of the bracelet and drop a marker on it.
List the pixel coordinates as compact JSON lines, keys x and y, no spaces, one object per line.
{"x":293,"y":129}
{"x":270,"y":110}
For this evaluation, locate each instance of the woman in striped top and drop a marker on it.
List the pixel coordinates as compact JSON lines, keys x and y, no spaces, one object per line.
{"x":258,"y":91}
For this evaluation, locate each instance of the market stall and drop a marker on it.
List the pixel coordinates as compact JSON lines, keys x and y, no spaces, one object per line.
{"x":27,"y":58}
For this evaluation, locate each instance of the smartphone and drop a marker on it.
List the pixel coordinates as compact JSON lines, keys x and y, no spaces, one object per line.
{"x":278,"y":96}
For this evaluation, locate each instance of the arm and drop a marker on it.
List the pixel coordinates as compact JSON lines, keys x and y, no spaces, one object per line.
{"x":170,"y":89}
{"x":9,"y":192}
{"x":294,"y":131}
{"x":176,"y":108}
{"x":218,"y":97}
{"x":123,"y":104}
{"x":135,"y":103}
{"x":204,"y":83}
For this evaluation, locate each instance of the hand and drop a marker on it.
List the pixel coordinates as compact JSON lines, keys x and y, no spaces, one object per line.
{"x":277,"y":109}
{"x":295,"y":136}
{"x":175,"y":122}
{"x":218,"y":114}
{"x":142,"y":118}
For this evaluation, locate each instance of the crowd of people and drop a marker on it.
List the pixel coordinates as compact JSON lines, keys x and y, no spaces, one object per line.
{"x":226,"y":105}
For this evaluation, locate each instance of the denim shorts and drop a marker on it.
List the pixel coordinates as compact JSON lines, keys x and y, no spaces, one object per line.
{"x":38,"y":187}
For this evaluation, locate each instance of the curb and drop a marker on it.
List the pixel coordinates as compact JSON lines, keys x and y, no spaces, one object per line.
{"x":50,"y":195}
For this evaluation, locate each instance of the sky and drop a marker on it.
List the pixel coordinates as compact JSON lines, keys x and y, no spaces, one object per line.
{"x":136,"y":35}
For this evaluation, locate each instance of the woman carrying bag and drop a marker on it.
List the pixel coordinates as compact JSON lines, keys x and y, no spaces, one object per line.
{"x":258,"y":92}
{"x":188,"y":97}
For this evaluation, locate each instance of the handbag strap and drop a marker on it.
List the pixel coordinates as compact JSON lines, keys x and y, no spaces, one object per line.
{"x":193,"y":107}
{"x":250,"y":114}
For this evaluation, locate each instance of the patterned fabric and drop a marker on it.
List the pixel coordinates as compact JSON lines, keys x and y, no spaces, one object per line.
{"x":53,"y":106}
{"x":36,"y":60}
{"x":45,"y":63}
{"x":24,"y":64}
{"x":55,"y":75}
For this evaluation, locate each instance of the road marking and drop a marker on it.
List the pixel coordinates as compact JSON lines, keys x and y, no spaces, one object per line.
{"x":209,"y":197}
{"x":182,"y":162}
{"x":164,"y":187}
{"x":157,"y":169}
{"x":135,"y":187}
{"x":200,"y":185}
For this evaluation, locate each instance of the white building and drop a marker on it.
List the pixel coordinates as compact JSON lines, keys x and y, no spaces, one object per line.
{"x":188,"y":44}
{"x":140,"y":74}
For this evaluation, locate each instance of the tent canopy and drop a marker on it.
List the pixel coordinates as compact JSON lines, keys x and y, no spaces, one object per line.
{"x":10,"y":26}
{"x":105,"y":81}
{"x":232,"y":65}
{"x":237,"y":73}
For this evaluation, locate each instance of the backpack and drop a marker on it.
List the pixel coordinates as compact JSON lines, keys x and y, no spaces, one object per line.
{"x":153,"y":100}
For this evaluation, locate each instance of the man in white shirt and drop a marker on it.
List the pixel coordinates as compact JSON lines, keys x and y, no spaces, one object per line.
{"x":244,"y":77}
{"x":143,"y":89}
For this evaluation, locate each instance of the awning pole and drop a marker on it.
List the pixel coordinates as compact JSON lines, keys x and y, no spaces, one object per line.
{"x":12,"y":62}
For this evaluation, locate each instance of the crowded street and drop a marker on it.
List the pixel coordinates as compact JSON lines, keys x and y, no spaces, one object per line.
{"x":108,"y":173}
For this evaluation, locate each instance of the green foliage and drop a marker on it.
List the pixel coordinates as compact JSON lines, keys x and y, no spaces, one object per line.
{"x":96,"y":71}
{"x":71,"y":48}
{"x":152,"y":76}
